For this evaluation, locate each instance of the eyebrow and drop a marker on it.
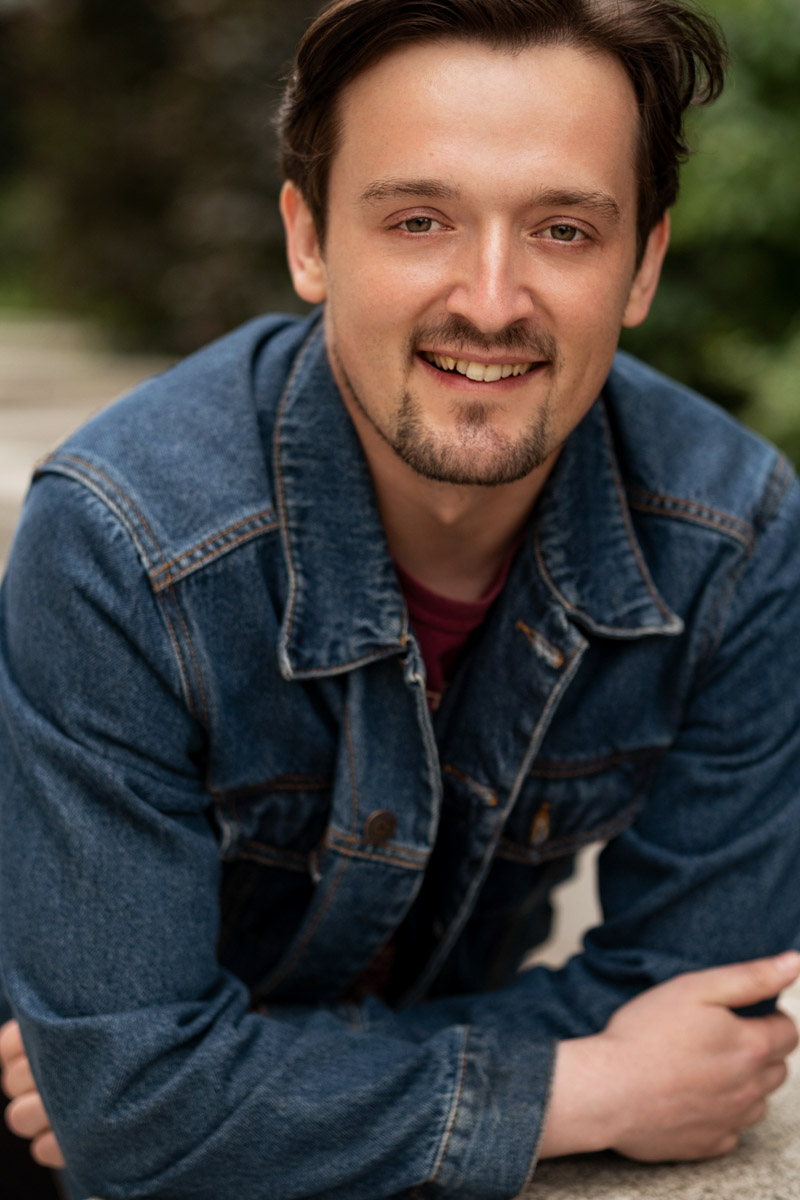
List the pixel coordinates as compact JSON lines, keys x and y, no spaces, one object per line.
{"x":435,"y":189}
{"x":391,"y":189}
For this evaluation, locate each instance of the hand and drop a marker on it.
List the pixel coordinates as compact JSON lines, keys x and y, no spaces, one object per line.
{"x":25,"y":1115}
{"x":675,"y":1075}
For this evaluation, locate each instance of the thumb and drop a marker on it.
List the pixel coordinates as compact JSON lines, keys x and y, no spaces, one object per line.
{"x":740,"y":984}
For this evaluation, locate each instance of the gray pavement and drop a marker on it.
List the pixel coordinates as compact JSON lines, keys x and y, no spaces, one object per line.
{"x":53,"y":376}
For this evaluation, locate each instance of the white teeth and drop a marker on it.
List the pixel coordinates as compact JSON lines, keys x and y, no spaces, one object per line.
{"x":479,"y":372}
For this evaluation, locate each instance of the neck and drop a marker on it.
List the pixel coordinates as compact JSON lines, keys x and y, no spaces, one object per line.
{"x":452,"y":538}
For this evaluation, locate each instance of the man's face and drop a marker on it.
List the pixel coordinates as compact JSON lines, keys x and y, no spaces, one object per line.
{"x":480,"y":255}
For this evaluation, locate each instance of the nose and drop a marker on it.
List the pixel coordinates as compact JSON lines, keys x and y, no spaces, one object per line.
{"x":491,"y":290}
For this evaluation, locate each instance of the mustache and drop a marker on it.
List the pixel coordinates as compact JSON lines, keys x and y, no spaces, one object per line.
{"x":456,"y":334}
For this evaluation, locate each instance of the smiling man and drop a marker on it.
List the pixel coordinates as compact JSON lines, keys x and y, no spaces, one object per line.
{"x":323,"y":654}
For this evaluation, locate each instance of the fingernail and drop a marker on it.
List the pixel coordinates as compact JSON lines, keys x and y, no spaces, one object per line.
{"x":789,"y":963}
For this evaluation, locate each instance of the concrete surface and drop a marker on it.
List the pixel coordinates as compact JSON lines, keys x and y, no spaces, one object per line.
{"x":52,"y":377}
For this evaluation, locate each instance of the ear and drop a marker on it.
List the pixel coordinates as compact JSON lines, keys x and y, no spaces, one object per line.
{"x":645,"y":282}
{"x":302,"y":246}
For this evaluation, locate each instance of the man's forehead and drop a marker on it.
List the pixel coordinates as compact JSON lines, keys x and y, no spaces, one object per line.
{"x":402,"y":117}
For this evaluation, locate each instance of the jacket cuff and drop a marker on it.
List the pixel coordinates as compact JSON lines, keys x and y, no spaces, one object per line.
{"x":490,"y":1146}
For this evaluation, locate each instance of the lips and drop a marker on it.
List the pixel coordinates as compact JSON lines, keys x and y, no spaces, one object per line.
{"x":479,"y":372}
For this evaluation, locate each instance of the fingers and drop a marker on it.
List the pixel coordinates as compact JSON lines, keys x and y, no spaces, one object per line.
{"x":740,"y":984}
{"x":17,"y":1078}
{"x":26,"y":1117}
{"x":780,"y":1034}
{"x":46,"y":1152}
{"x":10,"y":1042}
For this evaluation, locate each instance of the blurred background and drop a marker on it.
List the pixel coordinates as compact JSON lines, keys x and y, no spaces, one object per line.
{"x":138,"y":191}
{"x":138,"y":185}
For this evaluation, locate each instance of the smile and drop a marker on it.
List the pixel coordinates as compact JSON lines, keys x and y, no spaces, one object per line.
{"x":477,"y":371}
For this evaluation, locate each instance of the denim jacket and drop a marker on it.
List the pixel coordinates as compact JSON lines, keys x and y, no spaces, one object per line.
{"x":223,"y":791}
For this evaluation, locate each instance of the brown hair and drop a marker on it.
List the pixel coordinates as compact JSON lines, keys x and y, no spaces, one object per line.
{"x":674,"y":55}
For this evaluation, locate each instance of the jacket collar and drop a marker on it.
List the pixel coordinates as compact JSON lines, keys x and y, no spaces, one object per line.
{"x":344,"y":606}
{"x":585,"y":542}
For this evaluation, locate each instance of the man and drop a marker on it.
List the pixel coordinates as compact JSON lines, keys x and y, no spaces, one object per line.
{"x":325,"y":652}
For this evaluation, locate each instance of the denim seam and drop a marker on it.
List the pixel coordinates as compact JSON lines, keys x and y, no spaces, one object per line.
{"x":197,"y":675}
{"x":487,"y":794}
{"x":553,"y":769}
{"x":92,"y":486}
{"x":279,"y":480}
{"x":777,"y":486}
{"x":666,"y":498}
{"x":279,"y":783}
{"x":380,"y":858}
{"x":91,"y":469}
{"x":187,"y":691}
{"x":396,"y":847}
{"x":626,"y":518}
{"x":452,"y":1116}
{"x":218,"y":552}
{"x":548,"y":1096}
{"x":708,"y":522}
{"x":554,"y":847}
{"x":272,"y":856}
{"x":259,"y":516}
{"x":87,"y":481}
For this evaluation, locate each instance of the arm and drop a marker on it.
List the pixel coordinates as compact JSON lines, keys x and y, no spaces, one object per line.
{"x":157,"y":1076}
{"x":674,"y":1075}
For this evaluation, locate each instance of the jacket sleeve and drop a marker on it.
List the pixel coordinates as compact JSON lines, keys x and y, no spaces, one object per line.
{"x":158,"y":1078}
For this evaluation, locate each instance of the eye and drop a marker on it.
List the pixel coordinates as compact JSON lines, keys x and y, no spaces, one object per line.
{"x":565,"y":233}
{"x":418,"y":224}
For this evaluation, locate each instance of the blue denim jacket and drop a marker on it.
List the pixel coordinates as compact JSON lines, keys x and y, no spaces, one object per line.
{"x":222,"y":789}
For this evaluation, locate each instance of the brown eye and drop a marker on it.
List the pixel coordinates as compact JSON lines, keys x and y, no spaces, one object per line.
{"x":564,"y":233}
{"x":418,"y":224}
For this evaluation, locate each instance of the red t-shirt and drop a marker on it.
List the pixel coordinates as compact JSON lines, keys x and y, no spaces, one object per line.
{"x":443,"y":626}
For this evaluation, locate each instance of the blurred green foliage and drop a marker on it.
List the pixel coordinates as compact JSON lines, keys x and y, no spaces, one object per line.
{"x":137,"y":184}
{"x":727,"y":316}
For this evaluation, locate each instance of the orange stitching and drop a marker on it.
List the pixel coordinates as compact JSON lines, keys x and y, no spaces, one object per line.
{"x":684,"y":501}
{"x":532,"y":855}
{"x":462,"y":1063}
{"x":190,"y":567}
{"x":695,"y":518}
{"x":487,"y":794}
{"x":382,"y":858}
{"x":222,"y":532}
{"x":398,"y":847}
{"x":289,"y":783}
{"x":534,"y":636}
{"x":102,"y":475}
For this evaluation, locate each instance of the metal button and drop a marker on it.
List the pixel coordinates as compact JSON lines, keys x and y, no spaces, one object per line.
{"x":380,"y":827}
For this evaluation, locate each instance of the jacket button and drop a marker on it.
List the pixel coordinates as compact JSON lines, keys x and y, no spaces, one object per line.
{"x":380,"y":827}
